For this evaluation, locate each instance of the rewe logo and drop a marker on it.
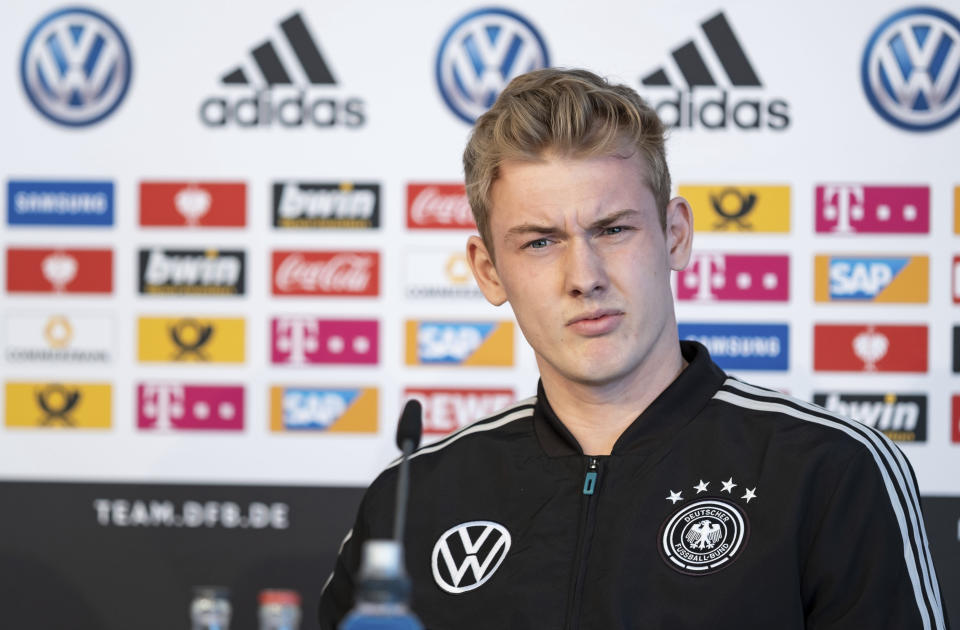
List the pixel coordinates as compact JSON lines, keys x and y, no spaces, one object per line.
{"x":705,"y":102}
{"x":902,"y":418}
{"x":735,"y":277}
{"x":911,"y":69}
{"x":480,"y":54}
{"x":76,"y":67}
{"x":477,"y":547}
{"x":852,"y":208}
{"x":446,"y":410}
{"x":280,"y":85}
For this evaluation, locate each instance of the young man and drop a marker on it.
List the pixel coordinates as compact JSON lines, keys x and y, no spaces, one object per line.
{"x":641,"y":487}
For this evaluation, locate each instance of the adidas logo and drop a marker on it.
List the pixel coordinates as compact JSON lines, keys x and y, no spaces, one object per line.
{"x":701,"y":98}
{"x":276,"y":86}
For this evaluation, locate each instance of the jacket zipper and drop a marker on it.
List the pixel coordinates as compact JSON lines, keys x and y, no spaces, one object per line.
{"x":590,"y":480}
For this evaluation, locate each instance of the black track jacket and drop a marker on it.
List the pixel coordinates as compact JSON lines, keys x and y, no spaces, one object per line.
{"x":724,"y":505}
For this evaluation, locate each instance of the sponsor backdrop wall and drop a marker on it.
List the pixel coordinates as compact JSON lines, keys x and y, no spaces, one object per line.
{"x":233,"y":245}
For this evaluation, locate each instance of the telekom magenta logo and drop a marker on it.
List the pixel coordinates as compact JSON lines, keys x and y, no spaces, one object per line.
{"x":190,"y":407}
{"x":723,"y":277}
{"x":299,"y":340}
{"x":852,"y":209}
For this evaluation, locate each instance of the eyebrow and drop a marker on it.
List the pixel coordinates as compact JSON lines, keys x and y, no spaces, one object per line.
{"x":599,"y":224}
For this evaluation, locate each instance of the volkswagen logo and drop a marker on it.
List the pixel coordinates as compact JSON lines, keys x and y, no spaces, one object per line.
{"x":76,"y":67}
{"x":911,"y":69}
{"x":480,"y":54}
{"x":467,"y":555}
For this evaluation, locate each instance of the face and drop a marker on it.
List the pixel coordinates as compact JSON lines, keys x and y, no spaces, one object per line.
{"x":583,"y":260}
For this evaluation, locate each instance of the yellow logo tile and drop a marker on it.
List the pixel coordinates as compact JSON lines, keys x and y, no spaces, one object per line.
{"x":189,"y":339}
{"x":58,"y":405}
{"x":742,"y":208}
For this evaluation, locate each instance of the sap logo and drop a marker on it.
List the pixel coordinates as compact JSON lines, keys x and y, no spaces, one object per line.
{"x":279,"y":87}
{"x":315,"y":409}
{"x":689,"y":109}
{"x":335,"y":409}
{"x":852,"y":278}
{"x":911,"y":69}
{"x":480,"y":54}
{"x":450,"y":343}
{"x":459,"y":343}
{"x":902,"y":417}
{"x":76,"y":67}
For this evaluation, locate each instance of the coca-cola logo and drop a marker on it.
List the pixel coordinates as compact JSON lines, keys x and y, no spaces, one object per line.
{"x":438,"y":206}
{"x":326,"y":273}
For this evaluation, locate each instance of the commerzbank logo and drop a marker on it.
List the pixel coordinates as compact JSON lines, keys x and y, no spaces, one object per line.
{"x":481,"y":53}
{"x":911,"y":69}
{"x":76,"y":67}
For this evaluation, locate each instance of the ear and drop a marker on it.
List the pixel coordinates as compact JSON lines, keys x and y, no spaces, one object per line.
{"x":485,"y":271}
{"x":679,"y":233}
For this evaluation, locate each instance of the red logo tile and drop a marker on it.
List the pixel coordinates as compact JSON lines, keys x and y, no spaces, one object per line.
{"x":337,"y":273}
{"x":438,"y":207}
{"x":59,"y":270}
{"x":195,"y":204}
{"x":868,"y":348}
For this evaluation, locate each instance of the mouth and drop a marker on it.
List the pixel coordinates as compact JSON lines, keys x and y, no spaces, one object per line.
{"x":597,"y":322}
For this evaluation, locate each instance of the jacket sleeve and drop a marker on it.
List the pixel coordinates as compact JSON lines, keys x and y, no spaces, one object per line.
{"x":868,"y":565}
{"x":336,"y":599}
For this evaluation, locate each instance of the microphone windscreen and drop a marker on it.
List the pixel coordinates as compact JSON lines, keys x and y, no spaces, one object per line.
{"x":410,"y":426}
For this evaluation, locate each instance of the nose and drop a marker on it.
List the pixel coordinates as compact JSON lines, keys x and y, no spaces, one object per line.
{"x":585,"y":272}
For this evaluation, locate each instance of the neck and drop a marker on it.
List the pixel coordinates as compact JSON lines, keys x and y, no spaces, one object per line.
{"x":597,"y":414}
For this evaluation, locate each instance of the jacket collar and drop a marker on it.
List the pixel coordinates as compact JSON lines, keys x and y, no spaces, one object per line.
{"x":677,"y":405}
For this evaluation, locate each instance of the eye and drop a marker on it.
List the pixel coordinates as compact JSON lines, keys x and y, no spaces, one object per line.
{"x":613,"y":230}
{"x":539,"y":243}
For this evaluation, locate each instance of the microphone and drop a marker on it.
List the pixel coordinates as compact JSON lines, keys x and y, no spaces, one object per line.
{"x":409,"y":430}
{"x":384,"y":589}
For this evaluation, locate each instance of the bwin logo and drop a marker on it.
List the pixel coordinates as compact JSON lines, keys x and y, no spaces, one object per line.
{"x":700,"y":73}
{"x":76,"y":67}
{"x":911,"y":69}
{"x":478,"y":547}
{"x":274,"y":84}
{"x":480,"y":54}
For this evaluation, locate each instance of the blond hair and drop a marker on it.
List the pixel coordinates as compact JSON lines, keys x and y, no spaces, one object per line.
{"x":574,"y":113}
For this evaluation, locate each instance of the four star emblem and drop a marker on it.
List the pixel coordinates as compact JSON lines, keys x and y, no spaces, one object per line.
{"x":728,"y":486}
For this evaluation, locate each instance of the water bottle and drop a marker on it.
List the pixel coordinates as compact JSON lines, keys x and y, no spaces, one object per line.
{"x":279,"y":609}
{"x":210,"y":608}
{"x":383,"y":591}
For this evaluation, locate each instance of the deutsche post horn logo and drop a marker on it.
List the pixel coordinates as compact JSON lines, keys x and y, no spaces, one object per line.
{"x":57,"y":401}
{"x":478,"y":547}
{"x":704,"y":536}
{"x":190,"y":336}
{"x":733,"y":206}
